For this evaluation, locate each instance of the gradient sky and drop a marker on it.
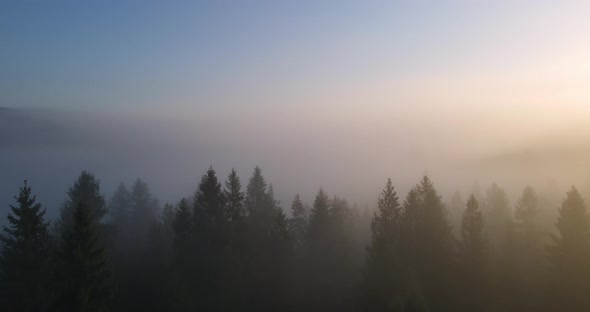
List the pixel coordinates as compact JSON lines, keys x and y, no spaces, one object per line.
{"x":453,"y":66}
{"x":327,"y":92}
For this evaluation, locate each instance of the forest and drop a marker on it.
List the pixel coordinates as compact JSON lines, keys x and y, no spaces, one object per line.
{"x":235,"y":248}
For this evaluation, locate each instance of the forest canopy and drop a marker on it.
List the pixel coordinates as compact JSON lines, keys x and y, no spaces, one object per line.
{"x":232,"y":246}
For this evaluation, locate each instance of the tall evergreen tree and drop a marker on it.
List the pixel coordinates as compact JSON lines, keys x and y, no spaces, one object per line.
{"x":498,"y":216}
{"x":410,"y":210}
{"x":24,"y":261}
{"x":298,"y":222}
{"x":183,"y":233}
{"x":569,"y":256}
{"x":473,"y":239}
{"x":185,"y":256}
{"x":143,"y":214}
{"x":236,"y":266}
{"x":430,"y":245}
{"x":211,"y":226}
{"x":318,"y":285}
{"x":86,"y":189}
{"x":526,"y":208}
{"x":139,"y":243}
{"x":499,"y":229}
{"x":234,"y":197}
{"x":209,"y":201}
{"x":384,"y":279}
{"x":472,"y":256}
{"x":280,"y":269}
{"x":120,"y":209}
{"x":262,"y":228}
{"x":297,"y":227}
{"x":280,"y":234}
{"x":523,"y":256}
{"x":258,"y":203}
{"x":456,"y":209}
{"x":168,"y":216}
{"x":319,"y":217}
{"x":329,"y":258}
{"x":84,"y":272}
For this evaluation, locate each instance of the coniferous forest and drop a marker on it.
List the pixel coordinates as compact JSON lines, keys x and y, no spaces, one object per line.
{"x":231,"y":246}
{"x":294,"y":156}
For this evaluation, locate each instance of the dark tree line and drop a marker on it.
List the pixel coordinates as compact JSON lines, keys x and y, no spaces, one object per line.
{"x":234,"y":248}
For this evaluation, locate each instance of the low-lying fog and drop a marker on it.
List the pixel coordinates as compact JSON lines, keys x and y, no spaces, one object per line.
{"x":299,"y":151}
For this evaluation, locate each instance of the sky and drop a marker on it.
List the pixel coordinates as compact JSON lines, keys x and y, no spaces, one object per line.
{"x":312,"y":88}
{"x":219,"y":56}
{"x":324,"y":63}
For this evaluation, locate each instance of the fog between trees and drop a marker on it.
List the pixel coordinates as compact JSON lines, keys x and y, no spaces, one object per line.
{"x":232,"y":246}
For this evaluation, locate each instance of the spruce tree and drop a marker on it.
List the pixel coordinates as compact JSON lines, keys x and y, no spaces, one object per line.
{"x":234,"y":197}
{"x":430,"y":245}
{"x":472,"y":257}
{"x":237,"y":241}
{"x":259,"y":205}
{"x":210,"y":217}
{"x":84,"y":272}
{"x":331,"y":265}
{"x":298,"y":222}
{"x":526,"y":209}
{"x":318,"y":287}
{"x":209,"y":200}
{"x":319,"y":217}
{"x":456,"y":209}
{"x":143,"y":214}
{"x":183,"y":232}
{"x":24,"y":261}
{"x":120,"y":235}
{"x":523,"y":256}
{"x":211,"y":225}
{"x":280,"y":234}
{"x":168,"y":215}
{"x":384,"y":271}
{"x":569,"y":257}
{"x":473,"y":239}
{"x":261,"y":262}
{"x":120,"y":210}
{"x":297,"y":226}
{"x":86,"y":189}
{"x":410,"y":211}
{"x":280,"y":268}
{"x":498,"y":216}
{"x":185,"y":257}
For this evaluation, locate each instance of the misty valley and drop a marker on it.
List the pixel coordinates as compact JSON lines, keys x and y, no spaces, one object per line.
{"x":294,"y":156}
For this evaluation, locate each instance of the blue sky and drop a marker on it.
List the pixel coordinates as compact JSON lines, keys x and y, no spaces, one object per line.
{"x":217,"y":56}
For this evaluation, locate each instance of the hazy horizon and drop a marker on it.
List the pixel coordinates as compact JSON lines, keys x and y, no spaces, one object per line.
{"x":340,"y":94}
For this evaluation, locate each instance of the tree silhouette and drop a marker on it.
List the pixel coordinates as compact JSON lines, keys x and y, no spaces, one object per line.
{"x":569,"y":256}
{"x":25,"y":266}
{"x":298,"y":222}
{"x":498,"y":215}
{"x":524,"y":259}
{"x":472,"y":256}
{"x":210,"y":220}
{"x":120,"y":210}
{"x":430,"y":246}
{"x":86,"y":189}
{"x":384,"y":275}
{"x":234,"y":197}
{"x":143,"y":214}
{"x":84,"y":271}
